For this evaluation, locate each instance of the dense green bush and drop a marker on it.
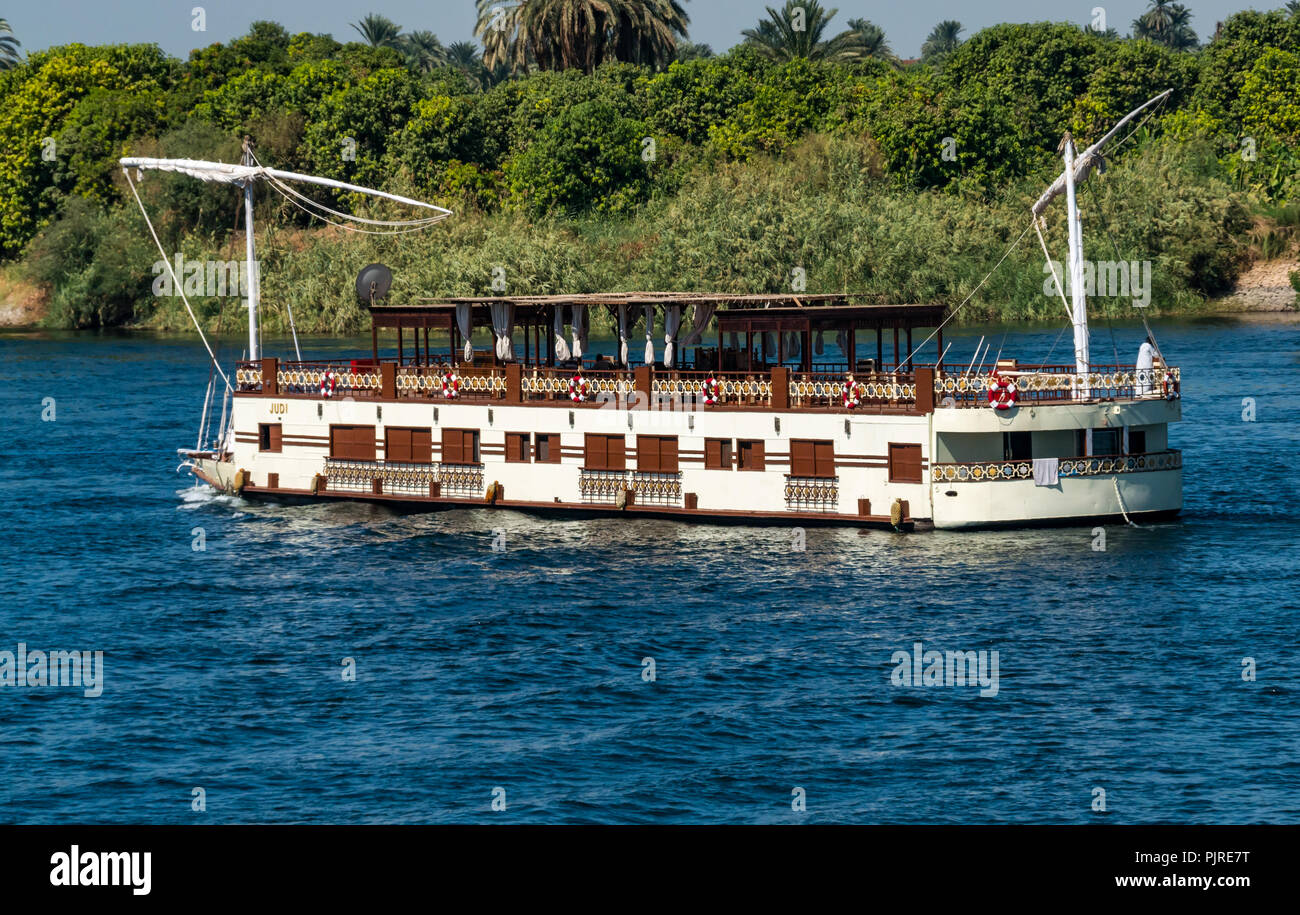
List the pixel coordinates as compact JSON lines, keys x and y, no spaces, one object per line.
{"x":726,"y":171}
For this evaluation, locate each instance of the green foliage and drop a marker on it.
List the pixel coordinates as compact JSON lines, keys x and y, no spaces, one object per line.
{"x":42,"y":96}
{"x":588,"y":156}
{"x":710,"y":171}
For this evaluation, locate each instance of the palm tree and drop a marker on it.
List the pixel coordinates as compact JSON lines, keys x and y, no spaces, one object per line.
{"x":943,"y":39}
{"x":689,"y":50}
{"x":582,"y":34}
{"x":646,"y":31}
{"x":1168,"y":24}
{"x":795,"y":31}
{"x":423,"y":51}
{"x":1293,"y":7}
{"x":464,"y":56}
{"x":379,"y":31}
{"x":9,"y":46}
{"x":871,"y":39}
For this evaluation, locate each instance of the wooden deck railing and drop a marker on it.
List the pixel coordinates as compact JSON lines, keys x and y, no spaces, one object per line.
{"x":778,"y":388}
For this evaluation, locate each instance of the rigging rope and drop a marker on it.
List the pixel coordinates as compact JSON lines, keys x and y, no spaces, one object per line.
{"x":952,"y":314}
{"x":175,"y":280}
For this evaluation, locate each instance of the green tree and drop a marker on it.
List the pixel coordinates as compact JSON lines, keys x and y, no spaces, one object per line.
{"x":579,"y":34}
{"x":690,"y":50}
{"x":379,"y":31}
{"x":1169,"y":24}
{"x":41,"y":97}
{"x":943,"y":39}
{"x":796,"y":30}
{"x":587,"y":157}
{"x":9,"y":46}
{"x":423,"y":51}
{"x":872,"y":42}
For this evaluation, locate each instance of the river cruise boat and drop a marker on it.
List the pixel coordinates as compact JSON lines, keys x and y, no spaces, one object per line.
{"x":774,"y":408}
{"x":752,"y":426}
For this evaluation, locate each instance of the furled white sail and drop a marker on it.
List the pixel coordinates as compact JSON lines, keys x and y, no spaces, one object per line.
{"x":227,"y":173}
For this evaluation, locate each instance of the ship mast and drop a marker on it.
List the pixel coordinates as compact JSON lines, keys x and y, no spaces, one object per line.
{"x":254,"y":349}
{"x":1078,"y":300}
{"x":1077,"y":169}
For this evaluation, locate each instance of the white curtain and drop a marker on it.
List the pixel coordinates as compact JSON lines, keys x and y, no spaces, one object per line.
{"x":769,"y":345}
{"x":466,"y":328}
{"x":842,"y":341}
{"x":622,"y":333}
{"x":701,"y":315}
{"x":819,"y":346}
{"x":561,"y":347}
{"x":735,"y":341}
{"x":649,"y":334}
{"x":672,"y":321}
{"x":579,"y":330}
{"x":503,"y":325}
{"x":793,"y":344}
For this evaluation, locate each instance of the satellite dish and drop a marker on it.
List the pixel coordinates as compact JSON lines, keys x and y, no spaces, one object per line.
{"x":373,"y":282}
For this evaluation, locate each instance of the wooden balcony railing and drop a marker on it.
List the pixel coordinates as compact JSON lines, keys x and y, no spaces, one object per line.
{"x":777,"y":388}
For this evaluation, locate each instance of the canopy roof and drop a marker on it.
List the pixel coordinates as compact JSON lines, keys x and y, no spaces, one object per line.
{"x":791,"y":309}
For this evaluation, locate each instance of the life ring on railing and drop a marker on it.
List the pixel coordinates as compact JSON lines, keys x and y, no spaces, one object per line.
{"x":578,"y":388}
{"x":1002,"y":393}
{"x":712,"y":391}
{"x":328,"y":382}
{"x":1170,"y":386}
{"x":850,"y":394}
{"x":450,"y":385}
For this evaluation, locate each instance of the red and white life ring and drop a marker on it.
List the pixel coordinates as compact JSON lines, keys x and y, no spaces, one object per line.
{"x":1170,"y":386}
{"x":450,"y":385}
{"x":712,"y":391}
{"x":578,"y":388}
{"x":328,"y":382}
{"x":850,"y":394}
{"x":1002,"y":392}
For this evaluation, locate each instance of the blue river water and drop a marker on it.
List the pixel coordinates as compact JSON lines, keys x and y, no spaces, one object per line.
{"x":524,"y":670}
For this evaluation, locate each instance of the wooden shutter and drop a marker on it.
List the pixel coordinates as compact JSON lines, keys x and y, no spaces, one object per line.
{"x":647,"y":453}
{"x":517,"y":447}
{"x":548,"y":448}
{"x":352,"y":443}
{"x":752,"y":456}
{"x":397,"y":445}
{"x":616,"y":452}
{"x":824,"y":459}
{"x":713,"y":453}
{"x":668,"y":454}
{"x":803,"y":461}
{"x":904,"y":463}
{"x":453,"y":446}
{"x":422,"y":446}
{"x":596,"y":452}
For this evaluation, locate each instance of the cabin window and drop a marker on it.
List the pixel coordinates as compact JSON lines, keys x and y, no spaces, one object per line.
{"x":656,"y":453}
{"x":604,"y":452}
{"x":717,"y":454}
{"x":404,"y":445}
{"x":1137,"y":441}
{"x":268,"y":437}
{"x":460,"y":446}
{"x":518,"y":445}
{"x":1106,"y":442}
{"x":1016,"y":446}
{"x":904,"y":463}
{"x":810,"y":458}
{"x":751,"y":455}
{"x":352,"y":443}
{"x":548,"y":448}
